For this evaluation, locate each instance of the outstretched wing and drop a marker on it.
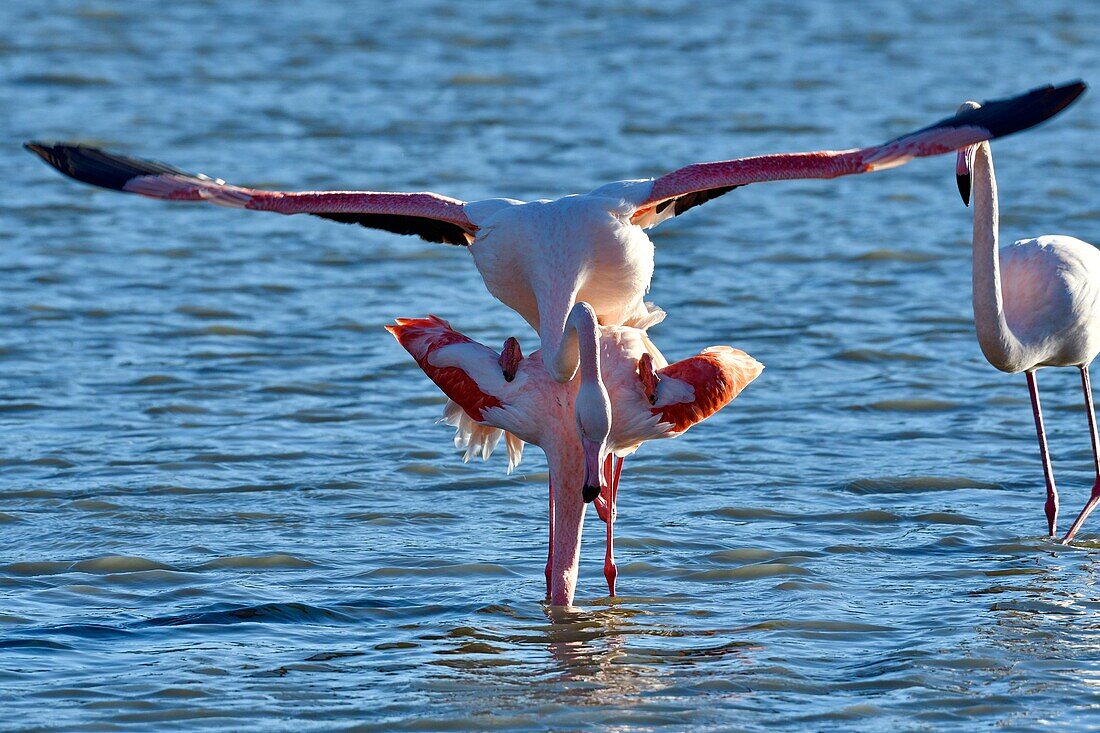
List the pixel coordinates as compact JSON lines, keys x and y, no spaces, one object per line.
{"x":428,"y":215}
{"x":693,"y":389}
{"x":686,"y":188}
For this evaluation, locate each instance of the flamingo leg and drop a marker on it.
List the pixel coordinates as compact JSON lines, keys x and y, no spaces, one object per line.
{"x":1086,"y":386}
{"x":603,"y":501}
{"x":550,"y":552}
{"x":610,"y":569}
{"x":1051,"y":506}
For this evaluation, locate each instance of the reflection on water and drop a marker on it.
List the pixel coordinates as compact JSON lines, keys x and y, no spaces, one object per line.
{"x":224,"y":502}
{"x":610,"y":656}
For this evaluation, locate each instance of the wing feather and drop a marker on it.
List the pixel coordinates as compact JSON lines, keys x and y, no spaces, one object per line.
{"x":688,"y":187}
{"x":430,"y":216}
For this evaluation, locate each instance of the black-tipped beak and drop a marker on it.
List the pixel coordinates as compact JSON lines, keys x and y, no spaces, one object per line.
{"x":963,"y":162}
{"x":648,"y":377}
{"x":963,"y":179}
{"x":592,"y":474}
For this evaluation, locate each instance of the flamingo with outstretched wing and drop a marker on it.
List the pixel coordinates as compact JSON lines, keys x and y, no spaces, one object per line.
{"x":542,"y":257}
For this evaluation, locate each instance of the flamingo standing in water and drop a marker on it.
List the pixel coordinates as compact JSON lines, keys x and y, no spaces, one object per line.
{"x":1036,"y":304}
{"x":621,"y":345}
{"x":541,"y":257}
{"x":611,"y":403}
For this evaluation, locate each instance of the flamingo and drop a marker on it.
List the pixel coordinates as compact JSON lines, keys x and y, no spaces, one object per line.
{"x":622,"y":345}
{"x":542,"y":257}
{"x":609,"y":397}
{"x":1036,"y":304}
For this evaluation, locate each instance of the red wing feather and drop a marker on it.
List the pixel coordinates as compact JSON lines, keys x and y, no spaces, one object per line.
{"x":422,"y":336}
{"x":717,"y":375}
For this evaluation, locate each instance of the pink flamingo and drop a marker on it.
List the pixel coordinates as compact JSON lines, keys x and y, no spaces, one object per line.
{"x":541,"y":257}
{"x":1036,"y":304}
{"x":610,"y":406}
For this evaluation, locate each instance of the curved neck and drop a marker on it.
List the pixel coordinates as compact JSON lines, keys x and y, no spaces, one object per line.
{"x":999,"y":344}
{"x":584,"y":329}
{"x":573,"y":344}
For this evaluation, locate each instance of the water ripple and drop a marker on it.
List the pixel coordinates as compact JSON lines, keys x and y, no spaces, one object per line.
{"x":224,"y":500}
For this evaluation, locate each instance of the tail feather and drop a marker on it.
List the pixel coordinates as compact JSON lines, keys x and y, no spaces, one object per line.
{"x":478,"y":439}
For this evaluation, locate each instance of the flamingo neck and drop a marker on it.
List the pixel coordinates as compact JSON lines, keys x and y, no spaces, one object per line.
{"x":585,"y":331}
{"x":999,"y":344}
{"x":566,"y":463}
{"x":572,"y":344}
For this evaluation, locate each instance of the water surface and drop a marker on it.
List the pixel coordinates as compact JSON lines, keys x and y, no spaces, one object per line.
{"x":224,"y":502}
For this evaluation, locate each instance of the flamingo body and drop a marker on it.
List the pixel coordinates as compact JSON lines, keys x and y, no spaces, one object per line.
{"x":542,"y":257}
{"x":535,"y":408}
{"x":1051,"y":292}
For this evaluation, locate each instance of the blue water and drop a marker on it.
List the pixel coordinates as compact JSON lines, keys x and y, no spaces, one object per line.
{"x":224,"y":503}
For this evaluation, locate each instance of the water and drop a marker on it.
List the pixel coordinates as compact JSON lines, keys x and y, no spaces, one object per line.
{"x":223,"y":500}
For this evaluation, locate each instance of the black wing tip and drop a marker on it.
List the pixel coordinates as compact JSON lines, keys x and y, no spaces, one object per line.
{"x":1003,"y":117}
{"x":58,"y":149}
{"x":83,"y":163}
{"x":51,"y":153}
{"x":1056,"y":97}
{"x":1007,"y":116}
{"x":43,"y":151}
{"x":89,"y":164}
{"x":1073,"y":89}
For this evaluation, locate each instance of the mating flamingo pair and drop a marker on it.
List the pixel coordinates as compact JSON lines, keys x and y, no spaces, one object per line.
{"x":624,"y":395}
{"x":567,"y":266}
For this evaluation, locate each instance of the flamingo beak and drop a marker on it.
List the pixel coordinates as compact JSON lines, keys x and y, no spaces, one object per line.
{"x":592,"y":473}
{"x":963,"y":163}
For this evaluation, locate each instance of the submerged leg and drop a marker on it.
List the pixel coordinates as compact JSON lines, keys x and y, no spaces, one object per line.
{"x":610,"y":569}
{"x":1051,"y":506}
{"x":1086,"y":386}
{"x":550,"y":551}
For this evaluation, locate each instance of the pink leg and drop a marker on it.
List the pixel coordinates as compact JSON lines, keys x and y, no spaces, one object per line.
{"x":550,"y":552}
{"x":610,"y":570}
{"x":1095,"y":497}
{"x":1051,"y":506}
{"x":603,"y":501}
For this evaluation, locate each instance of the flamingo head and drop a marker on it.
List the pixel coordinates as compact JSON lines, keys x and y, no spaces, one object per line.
{"x":593,"y":413}
{"x":964,"y":160}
